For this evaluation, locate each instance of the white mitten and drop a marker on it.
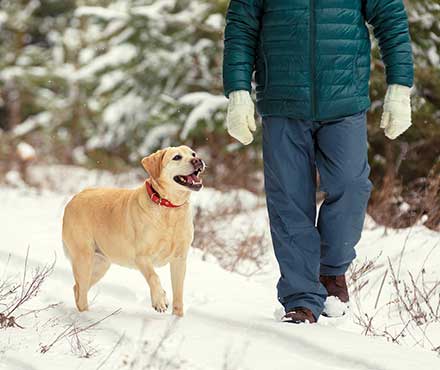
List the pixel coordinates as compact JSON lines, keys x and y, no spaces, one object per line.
{"x":396,"y":117}
{"x":240,"y":118}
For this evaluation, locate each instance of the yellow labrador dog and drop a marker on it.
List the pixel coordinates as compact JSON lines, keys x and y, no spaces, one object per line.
{"x":140,"y":228}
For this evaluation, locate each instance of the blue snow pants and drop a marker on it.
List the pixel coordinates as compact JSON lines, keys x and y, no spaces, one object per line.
{"x":306,"y":247}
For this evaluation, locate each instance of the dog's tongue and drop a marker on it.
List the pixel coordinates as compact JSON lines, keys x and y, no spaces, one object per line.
{"x":191,"y":179}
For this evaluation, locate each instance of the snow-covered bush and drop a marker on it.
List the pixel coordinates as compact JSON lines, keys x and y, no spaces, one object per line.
{"x":155,"y":72}
{"x":121,"y":76}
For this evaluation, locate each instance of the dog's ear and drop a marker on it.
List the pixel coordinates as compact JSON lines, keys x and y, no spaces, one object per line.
{"x":153,"y":163}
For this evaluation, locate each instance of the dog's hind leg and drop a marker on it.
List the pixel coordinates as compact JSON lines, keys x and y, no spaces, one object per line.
{"x":101,"y":264}
{"x":82,"y":265}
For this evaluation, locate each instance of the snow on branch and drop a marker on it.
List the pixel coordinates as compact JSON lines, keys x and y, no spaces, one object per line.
{"x":119,"y":54}
{"x":100,"y":12}
{"x":154,"y":11}
{"x":32,"y":123}
{"x":205,"y":104}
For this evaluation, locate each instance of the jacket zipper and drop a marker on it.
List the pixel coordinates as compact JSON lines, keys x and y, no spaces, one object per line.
{"x":312,"y":56}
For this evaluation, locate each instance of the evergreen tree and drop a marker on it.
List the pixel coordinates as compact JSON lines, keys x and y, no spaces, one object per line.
{"x":154,"y":67}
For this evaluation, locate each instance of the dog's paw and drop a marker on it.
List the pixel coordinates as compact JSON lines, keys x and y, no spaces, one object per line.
{"x":159,"y":301}
{"x":178,"y":310}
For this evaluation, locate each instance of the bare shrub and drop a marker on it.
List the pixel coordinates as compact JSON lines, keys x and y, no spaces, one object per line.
{"x":358,"y":271}
{"x":72,"y":333}
{"x":358,"y":278}
{"x":226,"y":233}
{"x":424,"y":198}
{"x":419,"y":299}
{"x":415,"y":300}
{"x":14,"y":295}
{"x":398,"y":206}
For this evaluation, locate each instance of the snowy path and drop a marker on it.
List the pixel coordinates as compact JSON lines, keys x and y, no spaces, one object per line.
{"x":229,"y":322}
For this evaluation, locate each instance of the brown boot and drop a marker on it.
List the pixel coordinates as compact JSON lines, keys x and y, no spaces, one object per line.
{"x":299,"y":315}
{"x":336,"y":286}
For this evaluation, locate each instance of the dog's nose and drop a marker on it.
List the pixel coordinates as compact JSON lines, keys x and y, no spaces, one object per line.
{"x":197,"y":163}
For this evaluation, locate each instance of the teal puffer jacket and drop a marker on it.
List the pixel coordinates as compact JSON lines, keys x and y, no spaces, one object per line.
{"x":312,"y":57}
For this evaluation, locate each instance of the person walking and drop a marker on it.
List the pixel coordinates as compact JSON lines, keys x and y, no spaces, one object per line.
{"x":311,"y":60}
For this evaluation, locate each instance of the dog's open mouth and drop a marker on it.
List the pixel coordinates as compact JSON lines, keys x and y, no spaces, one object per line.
{"x":192,"y":181}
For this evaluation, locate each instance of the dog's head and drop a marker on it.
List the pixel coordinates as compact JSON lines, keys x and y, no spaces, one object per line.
{"x":175,"y":167}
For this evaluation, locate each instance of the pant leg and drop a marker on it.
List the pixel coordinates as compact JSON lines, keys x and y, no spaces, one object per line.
{"x":290,"y":184}
{"x":342,"y":161}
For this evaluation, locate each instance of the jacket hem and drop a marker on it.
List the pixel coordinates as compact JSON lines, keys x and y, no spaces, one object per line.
{"x":297,"y":110}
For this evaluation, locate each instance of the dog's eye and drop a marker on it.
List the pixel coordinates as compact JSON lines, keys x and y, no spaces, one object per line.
{"x":194,"y":154}
{"x":177,"y":157}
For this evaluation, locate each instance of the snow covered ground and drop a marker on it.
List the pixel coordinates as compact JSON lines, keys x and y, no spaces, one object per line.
{"x":230,"y":320}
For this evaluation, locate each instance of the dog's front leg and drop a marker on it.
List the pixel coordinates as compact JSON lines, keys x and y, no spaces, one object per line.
{"x":178,"y":269}
{"x":158,"y":296}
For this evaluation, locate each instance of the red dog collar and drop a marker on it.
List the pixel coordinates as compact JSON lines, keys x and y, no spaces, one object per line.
{"x":156,"y":198}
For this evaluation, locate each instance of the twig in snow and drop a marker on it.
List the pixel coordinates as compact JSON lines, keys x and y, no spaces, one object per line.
{"x":71,"y":332}
{"x":380,"y":289}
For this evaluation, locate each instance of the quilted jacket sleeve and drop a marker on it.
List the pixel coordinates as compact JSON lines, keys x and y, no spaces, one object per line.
{"x":390,"y":27}
{"x":241,"y":37}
